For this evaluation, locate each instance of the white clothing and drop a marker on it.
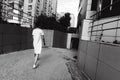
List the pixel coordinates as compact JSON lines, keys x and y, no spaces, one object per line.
{"x":37,"y":40}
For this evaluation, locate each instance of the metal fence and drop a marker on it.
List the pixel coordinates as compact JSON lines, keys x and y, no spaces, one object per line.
{"x":105,"y":27}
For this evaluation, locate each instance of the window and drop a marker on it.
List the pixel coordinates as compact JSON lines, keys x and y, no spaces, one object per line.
{"x":115,"y":10}
{"x":29,"y":13}
{"x":94,"y":5}
{"x":30,"y":1}
{"x":11,"y":4}
{"x":105,"y":10}
{"x":29,"y":7}
{"x":30,"y":21}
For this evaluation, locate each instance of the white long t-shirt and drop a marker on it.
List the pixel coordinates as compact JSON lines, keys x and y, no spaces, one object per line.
{"x":37,"y":40}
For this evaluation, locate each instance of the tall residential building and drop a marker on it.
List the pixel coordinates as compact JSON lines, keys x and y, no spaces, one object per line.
{"x":32,"y":9}
{"x":0,"y":10}
{"x":12,"y":10}
{"x":49,"y":7}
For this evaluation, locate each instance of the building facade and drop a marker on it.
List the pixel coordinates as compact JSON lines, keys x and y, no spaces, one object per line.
{"x":0,"y":10}
{"x":50,"y":7}
{"x":12,"y":10}
{"x":32,"y":10}
{"x":99,"y":30}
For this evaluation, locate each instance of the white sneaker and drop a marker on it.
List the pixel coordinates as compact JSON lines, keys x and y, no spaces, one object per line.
{"x":34,"y":66}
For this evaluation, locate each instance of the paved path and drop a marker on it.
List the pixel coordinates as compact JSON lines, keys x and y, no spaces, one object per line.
{"x":18,"y":65}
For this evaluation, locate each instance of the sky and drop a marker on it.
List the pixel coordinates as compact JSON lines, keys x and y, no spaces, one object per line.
{"x":70,"y":6}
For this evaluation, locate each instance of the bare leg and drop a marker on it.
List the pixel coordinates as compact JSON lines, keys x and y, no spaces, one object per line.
{"x":36,"y":59}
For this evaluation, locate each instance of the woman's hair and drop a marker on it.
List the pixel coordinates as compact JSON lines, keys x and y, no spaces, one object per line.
{"x":38,"y":23}
{"x":36,"y":27}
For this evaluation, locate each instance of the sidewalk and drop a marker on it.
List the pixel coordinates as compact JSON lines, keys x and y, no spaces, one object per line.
{"x":52,"y":65}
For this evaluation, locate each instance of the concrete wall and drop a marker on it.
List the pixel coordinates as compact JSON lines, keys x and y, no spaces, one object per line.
{"x":60,"y":39}
{"x":69,"y":36}
{"x":99,"y":61}
{"x":48,"y":34}
{"x":14,"y":38}
{"x":85,"y":35}
{"x":55,"y":38}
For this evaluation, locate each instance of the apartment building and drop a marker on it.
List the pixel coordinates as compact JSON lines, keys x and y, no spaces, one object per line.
{"x":32,"y":9}
{"x":99,"y":26}
{"x":50,"y":7}
{"x":0,"y":10}
{"x":12,"y":10}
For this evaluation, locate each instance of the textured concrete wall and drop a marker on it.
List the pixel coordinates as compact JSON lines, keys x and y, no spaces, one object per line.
{"x":99,"y":61}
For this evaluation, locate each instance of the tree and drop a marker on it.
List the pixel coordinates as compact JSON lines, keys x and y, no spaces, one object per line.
{"x":40,"y":21}
{"x":46,"y":22}
{"x":65,"y":20}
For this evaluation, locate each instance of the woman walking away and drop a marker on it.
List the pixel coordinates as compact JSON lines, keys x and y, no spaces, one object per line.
{"x":37,"y":43}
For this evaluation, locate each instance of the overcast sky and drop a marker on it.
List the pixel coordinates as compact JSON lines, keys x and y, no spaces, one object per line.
{"x":68,"y":6}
